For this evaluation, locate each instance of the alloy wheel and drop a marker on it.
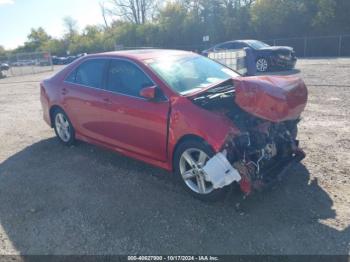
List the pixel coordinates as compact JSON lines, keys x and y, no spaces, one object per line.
{"x":191,"y":163}
{"x":261,"y":65}
{"x":62,"y":127}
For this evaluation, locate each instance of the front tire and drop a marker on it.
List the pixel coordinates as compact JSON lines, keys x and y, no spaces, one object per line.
{"x":63,"y":127}
{"x":262,"y":65}
{"x":189,"y":158}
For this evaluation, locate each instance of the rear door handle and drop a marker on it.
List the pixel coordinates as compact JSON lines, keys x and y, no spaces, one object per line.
{"x":64,"y":91}
{"x":107,"y":101}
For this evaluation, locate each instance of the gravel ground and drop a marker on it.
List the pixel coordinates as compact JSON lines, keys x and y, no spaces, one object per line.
{"x":87,"y":200}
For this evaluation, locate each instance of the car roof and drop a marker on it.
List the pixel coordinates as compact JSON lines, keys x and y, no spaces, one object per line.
{"x":143,"y":54}
{"x":237,"y":41}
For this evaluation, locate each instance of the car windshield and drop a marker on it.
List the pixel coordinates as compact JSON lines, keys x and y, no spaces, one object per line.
{"x":256,"y":44}
{"x":188,"y":74}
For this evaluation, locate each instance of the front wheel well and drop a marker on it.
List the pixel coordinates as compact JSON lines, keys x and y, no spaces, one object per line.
{"x":262,"y":57}
{"x":182,"y":140}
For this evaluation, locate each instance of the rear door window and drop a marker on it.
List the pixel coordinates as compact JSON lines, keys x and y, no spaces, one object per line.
{"x":221,"y":47}
{"x":90,"y":73}
{"x":241,"y":45}
{"x":231,"y":46}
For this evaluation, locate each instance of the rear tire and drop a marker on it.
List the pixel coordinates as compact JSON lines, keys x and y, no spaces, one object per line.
{"x":189,"y":176}
{"x":63,"y":127}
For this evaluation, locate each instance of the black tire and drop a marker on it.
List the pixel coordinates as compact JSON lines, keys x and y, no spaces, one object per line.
{"x":70,"y":130}
{"x":294,"y":131}
{"x":262,"y":65}
{"x":216,"y":194}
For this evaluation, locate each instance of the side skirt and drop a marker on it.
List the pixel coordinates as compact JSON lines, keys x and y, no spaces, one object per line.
{"x":157,"y":163}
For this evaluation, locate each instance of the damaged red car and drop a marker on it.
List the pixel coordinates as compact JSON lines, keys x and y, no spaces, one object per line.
{"x":182,"y":112}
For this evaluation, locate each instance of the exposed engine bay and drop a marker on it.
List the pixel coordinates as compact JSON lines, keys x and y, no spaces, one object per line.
{"x":263,"y":150}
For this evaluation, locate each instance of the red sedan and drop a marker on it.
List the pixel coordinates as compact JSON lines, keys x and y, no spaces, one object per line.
{"x":182,"y":112}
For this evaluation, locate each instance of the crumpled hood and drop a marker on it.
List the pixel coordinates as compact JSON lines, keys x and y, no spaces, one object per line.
{"x":273,"y":98}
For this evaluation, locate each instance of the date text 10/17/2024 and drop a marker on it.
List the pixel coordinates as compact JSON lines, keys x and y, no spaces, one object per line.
{"x":173,"y":258}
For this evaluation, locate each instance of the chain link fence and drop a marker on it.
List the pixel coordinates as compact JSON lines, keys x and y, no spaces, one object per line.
{"x":26,"y":63}
{"x":320,"y":46}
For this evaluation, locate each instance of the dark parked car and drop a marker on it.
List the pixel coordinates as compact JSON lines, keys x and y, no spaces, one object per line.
{"x":266,"y":57}
{"x":4,"y":67}
{"x":65,"y":60}
{"x":182,"y":112}
{"x":62,"y":60}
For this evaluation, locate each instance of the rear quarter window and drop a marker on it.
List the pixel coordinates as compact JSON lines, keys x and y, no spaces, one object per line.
{"x":71,"y":77}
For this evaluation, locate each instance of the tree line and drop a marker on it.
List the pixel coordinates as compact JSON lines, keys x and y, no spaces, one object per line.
{"x":183,"y":23}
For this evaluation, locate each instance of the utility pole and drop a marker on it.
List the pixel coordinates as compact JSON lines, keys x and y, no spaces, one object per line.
{"x":340,"y":45}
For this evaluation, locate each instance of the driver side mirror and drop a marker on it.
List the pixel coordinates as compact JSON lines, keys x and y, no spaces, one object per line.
{"x":148,"y":92}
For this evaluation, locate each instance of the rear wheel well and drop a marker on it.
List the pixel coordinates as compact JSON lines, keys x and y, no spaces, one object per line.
{"x":52,"y":111}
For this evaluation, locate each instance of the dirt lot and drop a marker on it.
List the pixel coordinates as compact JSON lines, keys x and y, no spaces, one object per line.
{"x":87,"y":200}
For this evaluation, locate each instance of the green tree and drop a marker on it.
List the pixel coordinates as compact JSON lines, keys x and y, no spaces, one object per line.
{"x":36,"y":39}
{"x":71,"y":35}
{"x":332,"y":17}
{"x":282,"y":18}
{"x":92,"y":40}
{"x":183,"y":23}
{"x":55,"y":47}
{"x":171,"y":24}
{"x":2,"y":51}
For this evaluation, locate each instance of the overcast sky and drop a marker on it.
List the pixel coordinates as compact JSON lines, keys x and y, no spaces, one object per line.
{"x":17,"y":17}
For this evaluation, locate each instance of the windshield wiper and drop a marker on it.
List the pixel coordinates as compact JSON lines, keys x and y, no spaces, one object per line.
{"x":214,"y":88}
{"x":220,"y":89}
{"x":217,"y":92}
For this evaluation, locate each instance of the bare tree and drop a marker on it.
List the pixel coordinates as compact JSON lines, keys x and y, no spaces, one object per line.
{"x":104,"y":13}
{"x":134,"y":11}
{"x":71,"y":30}
{"x":71,"y":25}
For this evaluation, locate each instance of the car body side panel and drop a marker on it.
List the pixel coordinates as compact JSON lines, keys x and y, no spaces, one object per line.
{"x":134,"y":123}
{"x":188,"y":119}
{"x":95,"y":120}
{"x":180,"y":117}
{"x":84,"y":106}
{"x":185,"y":118}
{"x":49,"y":96}
{"x":126,"y":152}
{"x":45,"y":104}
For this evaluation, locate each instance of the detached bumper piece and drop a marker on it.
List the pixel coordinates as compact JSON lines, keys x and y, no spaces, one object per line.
{"x":278,"y":172}
{"x":273,"y":174}
{"x":219,"y":171}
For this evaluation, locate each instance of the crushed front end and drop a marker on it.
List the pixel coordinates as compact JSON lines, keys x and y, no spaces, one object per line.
{"x":263,"y":153}
{"x":267,"y":111}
